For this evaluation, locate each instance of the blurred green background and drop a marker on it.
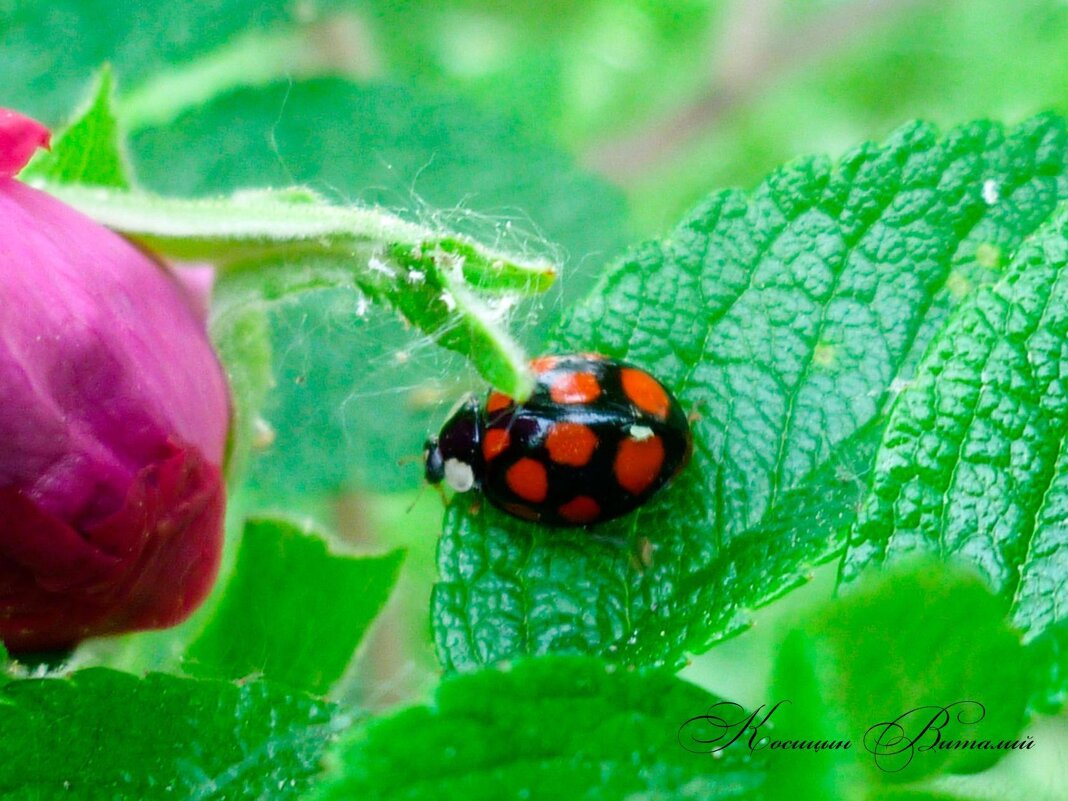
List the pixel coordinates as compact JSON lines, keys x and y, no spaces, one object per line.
{"x":564,"y":129}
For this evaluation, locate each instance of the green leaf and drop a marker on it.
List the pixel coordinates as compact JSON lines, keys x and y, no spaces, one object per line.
{"x":104,"y":734}
{"x":973,"y":464}
{"x":292,"y":611}
{"x":433,"y":157}
{"x":786,"y":321}
{"x":619,"y":741}
{"x":89,"y":151}
{"x":895,"y":651}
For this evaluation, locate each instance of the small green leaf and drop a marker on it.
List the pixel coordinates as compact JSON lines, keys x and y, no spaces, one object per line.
{"x":550,"y":728}
{"x":90,"y":150}
{"x":292,"y":611}
{"x":103,"y":734}
{"x":892,"y":654}
{"x":973,"y":464}
{"x":786,"y":321}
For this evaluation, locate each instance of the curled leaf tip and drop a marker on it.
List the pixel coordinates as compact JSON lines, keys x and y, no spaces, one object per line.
{"x":20,"y":136}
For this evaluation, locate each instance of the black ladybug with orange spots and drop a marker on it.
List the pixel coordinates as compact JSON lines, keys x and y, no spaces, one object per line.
{"x":597,"y":438}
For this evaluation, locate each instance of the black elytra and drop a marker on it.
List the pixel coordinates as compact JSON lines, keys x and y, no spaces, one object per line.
{"x":597,"y":438}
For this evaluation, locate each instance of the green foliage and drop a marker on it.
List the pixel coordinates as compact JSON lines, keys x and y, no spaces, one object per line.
{"x":894,"y":651}
{"x":293,"y":611}
{"x":872,"y":352}
{"x":89,"y":152}
{"x":435,"y":158}
{"x":241,"y":333}
{"x":833,"y":73}
{"x":972,"y":464}
{"x":51,"y":49}
{"x":1050,"y":651}
{"x":103,"y":734}
{"x":438,"y":159}
{"x":277,"y":244}
{"x":547,"y":728}
{"x":787,"y":321}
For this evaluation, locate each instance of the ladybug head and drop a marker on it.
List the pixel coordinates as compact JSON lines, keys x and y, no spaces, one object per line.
{"x":453,"y":455}
{"x":435,"y":462}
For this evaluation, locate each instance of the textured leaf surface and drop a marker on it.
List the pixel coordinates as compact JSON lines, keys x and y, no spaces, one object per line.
{"x":292,"y":611}
{"x":104,"y":734}
{"x":785,"y":321}
{"x":917,"y":638}
{"x":973,"y":464}
{"x":501,"y":734}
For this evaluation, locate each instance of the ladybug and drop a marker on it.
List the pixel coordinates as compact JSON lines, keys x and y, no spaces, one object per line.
{"x":597,"y":438}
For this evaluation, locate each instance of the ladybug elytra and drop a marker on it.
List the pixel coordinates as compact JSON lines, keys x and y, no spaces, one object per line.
{"x":597,"y":438}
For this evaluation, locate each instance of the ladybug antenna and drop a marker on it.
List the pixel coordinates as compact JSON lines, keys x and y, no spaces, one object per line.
{"x":441,"y":491}
{"x":416,"y":499}
{"x":419,"y":495}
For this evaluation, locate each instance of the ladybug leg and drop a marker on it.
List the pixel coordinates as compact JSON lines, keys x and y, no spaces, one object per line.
{"x":696,"y":413}
{"x":441,"y":494}
{"x":641,"y":554}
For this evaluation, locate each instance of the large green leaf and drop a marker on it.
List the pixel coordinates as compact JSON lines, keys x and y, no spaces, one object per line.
{"x":973,"y":464}
{"x":548,"y":728}
{"x":104,"y":734}
{"x":292,"y":610}
{"x":439,"y":159}
{"x":785,"y":321}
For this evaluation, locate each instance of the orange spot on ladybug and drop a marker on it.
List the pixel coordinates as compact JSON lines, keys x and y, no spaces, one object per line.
{"x":645,"y":392}
{"x":527,"y":479}
{"x":495,"y":442}
{"x":498,"y":401}
{"x":638,"y":463}
{"x":582,"y":509}
{"x":543,"y":363}
{"x":575,"y":388}
{"x":521,"y":510}
{"x":571,"y":444}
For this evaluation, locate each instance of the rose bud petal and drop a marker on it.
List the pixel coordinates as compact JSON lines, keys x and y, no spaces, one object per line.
{"x":114,"y":413}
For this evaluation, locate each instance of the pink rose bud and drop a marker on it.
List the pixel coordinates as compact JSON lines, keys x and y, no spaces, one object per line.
{"x":113,"y":421}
